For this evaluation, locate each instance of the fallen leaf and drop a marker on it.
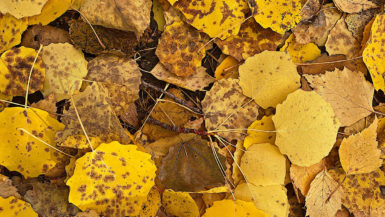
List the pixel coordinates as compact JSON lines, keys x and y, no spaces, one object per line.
{"x":306,"y":127}
{"x":356,"y":22}
{"x":89,"y":213}
{"x":113,"y":174}
{"x":51,"y":10}
{"x":158,"y":15}
{"x":80,"y":142}
{"x":20,"y":9}
{"x":4,"y":97}
{"x":151,"y":206}
{"x":310,"y":9}
{"x":7,"y":189}
{"x":237,"y":175}
{"x":354,"y":6}
{"x":227,"y":111}
{"x":301,"y":177}
{"x":322,"y":199}
{"x":255,"y":134}
{"x":231,"y":208}
{"x":12,"y":29}
{"x":12,"y":206}
{"x":228,"y":68}
{"x":48,"y":104}
{"x":263,"y":165}
{"x":179,"y":204}
{"x":348,"y":93}
{"x":300,"y":53}
{"x":65,"y":78}
{"x":268,"y":78}
{"x":45,"y":35}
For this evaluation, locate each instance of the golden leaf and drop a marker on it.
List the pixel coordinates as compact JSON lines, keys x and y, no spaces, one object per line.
{"x":51,"y":10}
{"x":20,"y":9}
{"x":255,"y":132}
{"x":301,"y":177}
{"x":230,"y":208}
{"x":14,"y":207}
{"x":300,"y":53}
{"x":179,"y":204}
{"x":12,"y":29}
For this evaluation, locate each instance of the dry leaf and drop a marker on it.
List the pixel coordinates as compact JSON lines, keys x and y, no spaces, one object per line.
{"x":356,"y":22}
{"x":45,"y":35}
{"x":255,"y":132}
{"x":179,"y":204}
{"x":231,"y":208}
{"x":51,"y":10}
{"x":228,"y":68}
{"x":6,"y":188}
{"x":20,"y":9}
{"x":301,"y":177}
{"x":12,"y":29}
{"x":300,"y":53}
{"x":158,"y":14}
{"x":354,"y":6}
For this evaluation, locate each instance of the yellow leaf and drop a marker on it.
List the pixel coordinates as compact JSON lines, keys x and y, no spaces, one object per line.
{"x":306,"y":127}
{"x":12,"y":29}
{"x":263,"y":164}
{"x":14,"y":207}
{"x":237,"y":156}
{"x":230,"y":208}
{"x":271,"y":199}
{"x":268,"y":78}
{"x":65,"y":78}
{"x":20,"y":9}
{"x":114,"y":180}
{"x":151,"y":206}
{"x":217,"y":18}
{"x":3,"y":97}
{"x":51,"y":10}
{"x":80,"y":142}
{"x":158,"y":15}
{"x":279,"y":15}
{"x":254,"y":134}
{"x":22,"y":152}
{"x":18,"y":63}
{"x":228,"y":68}
{"x":302,"y":176}
{"x":373,"y":54}
{"x":301,"y":53}
{"x":359,"y":153}
{"x":323,"y":199}
{"x":347,"y":91}
{"x":179,"y":204}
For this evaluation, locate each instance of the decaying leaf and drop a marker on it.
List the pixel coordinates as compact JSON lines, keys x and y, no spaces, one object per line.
{"x":354,"y":6}
{"x":158,"y":14}
{"x":179,"y":204}
{"x":306,"y":127}
{"x":347,"y":91}
{"x":6,"y":188}
{"x":45,"y":35}
{"x":20,"y":9}
{"x":15,"y":67}
{"x":255,"y":132}
{"x":114,"y":180}
{"x":230,"y":208}
{"x":356,"y":22}
{"x":22,"y":152}
{"x":271,"y":199}
{"x":301,"y":177}
{"x":227,"y":110}
{"x":359,"y":152}
{"x":181,"y":49}
{"x":64,"y":78}
{"x":300,"y":53}
{"x":12,"y":206}
{"x":237,"y":175}
{"x":322,"y":199}
{"x":12,"y":29}
{"x":268,"y":78}
{"x":51,"y":10}
{"x":263,"y":165}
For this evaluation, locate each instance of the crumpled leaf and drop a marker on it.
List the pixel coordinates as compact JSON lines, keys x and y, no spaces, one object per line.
{"x":306,"y":127}
{"x":197,"y":81}
{"x":216,"y":18}
{"x":226,"y":108}
{"x":15,"y":67}
{"x":263,"y":164}
{"x":279,"y":15}
{"x":51,"y":10}
{"x":362,"y":194}
{"x":310,"y":9}
{"x":12,"y":29}
{"x":6,"y":188}
{"x":268,"y":78}
{"x":45,"y":35}
{"x":301,"y":177}
{"x":114,"y":180}
{"x":347,"y":91}
{"x":255,"y":134}
{"x":14,"y":207}
{"x":181,"y":49}
{"x":230,"y":208}
{"x":191,"y":166}
{"x":359,"y":153}
{"x":151,"y":206}
{"x":250,"y":40}
{"x":65,"y":78}
{"x":373,"y":54}
{"x":228,"y":68}
{"x":21,"y":152}
{"x":20,"y":9}
{"x":271,"y":199}
{"x":342,"y":41}
{"x":354,"y":6}
{"x":123,"y":15}
{"x":300,"y":53}
{"x":179,"y":204}
{"x":322,"y":199}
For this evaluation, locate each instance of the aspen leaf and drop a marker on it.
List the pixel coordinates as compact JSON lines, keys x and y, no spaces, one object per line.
{"x":12,"y":29}
{"x":15,"y":65}
{"x":306,"y":127}
{"x":301,"y":53}
{"x":179,"y":204}
{"x":113,"y":174}
{"x":80,"y":142}
{"x":225,"y":107}
{"x":51,"y":10}
{"x":228,"y":68}
{"x":354,"y":6}
{"x":181,"y":49}
{"x":359,"y":152}
{"x":347,"y":91}
{"x":268,"y":78}
{"x":151,"y":206}
{"x":254,"y":134}
{"x":21,"y":152}
{"x":20,"y":9}
{"x":65,"y":78}
{"x":217,"y":18}
{"x":271,"y":199}
{"x":373,"y":54}
{"x":322,"y":199}
{"x":263,"y":164}
{"x":14,"y":207}
{"x":301,"y":177}
{"x":279,"y":15}
{"x":230,"y":208}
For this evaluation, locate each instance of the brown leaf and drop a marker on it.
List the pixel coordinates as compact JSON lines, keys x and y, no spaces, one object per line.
{"x":302,"y":176}
{"x":354,"y":6}
{"x":45,"y":35}
{"x":6,"y":188}
{"x":356,"y":22}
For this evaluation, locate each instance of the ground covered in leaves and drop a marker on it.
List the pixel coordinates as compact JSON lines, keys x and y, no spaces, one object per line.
{"x":187,"y":108}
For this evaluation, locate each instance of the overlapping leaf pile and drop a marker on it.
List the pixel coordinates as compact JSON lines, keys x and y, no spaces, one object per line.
{"x":249,"y":108}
